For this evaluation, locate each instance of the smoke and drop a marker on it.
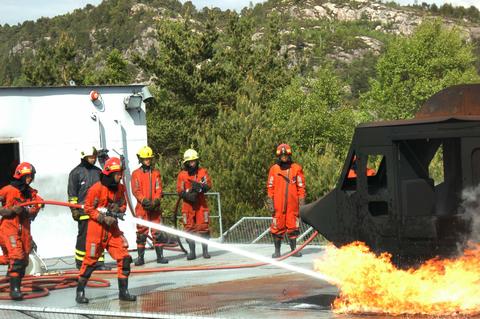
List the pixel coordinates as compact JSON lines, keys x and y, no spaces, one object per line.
{"x":470,"y":207}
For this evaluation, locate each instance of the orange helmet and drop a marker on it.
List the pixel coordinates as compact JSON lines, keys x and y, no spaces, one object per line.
{"x":23,"y":169}
{"x":283,"y":149}
{"x":112,"y":165}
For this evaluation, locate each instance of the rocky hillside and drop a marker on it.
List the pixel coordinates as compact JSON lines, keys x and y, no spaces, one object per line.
{"x":344,"y":32}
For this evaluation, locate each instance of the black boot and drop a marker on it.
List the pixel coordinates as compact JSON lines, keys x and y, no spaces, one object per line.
{"x":205,"y":247}
{"x":80,"y":298}
{"x":160,"y":258}
{"x":15,"y":292}
{"x":123,"y":293}
{"x":191,"y":255}
{"x":293,"y":246}
{"x":141,"y":253}
{"x":277,"y":242}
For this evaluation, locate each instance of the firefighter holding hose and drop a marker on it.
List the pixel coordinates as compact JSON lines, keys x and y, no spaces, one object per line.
{"x":15,"y":235}
{"x":147,"y":188}
{"x":192,"y":184}
{"x":105,"y":204}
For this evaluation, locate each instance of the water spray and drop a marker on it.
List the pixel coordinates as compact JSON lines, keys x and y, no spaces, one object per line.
{"x":232,"y":249}
{"x":217,"y":245}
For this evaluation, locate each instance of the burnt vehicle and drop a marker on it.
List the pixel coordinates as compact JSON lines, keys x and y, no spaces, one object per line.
{"x":388,"y":195}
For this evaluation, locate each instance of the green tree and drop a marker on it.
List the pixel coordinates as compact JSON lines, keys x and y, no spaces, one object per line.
{"x":414,"y":68}
{"x":238,"y":151}
{"x":310,"y":113}
{"x":54,"y":63}
{"x":115,"y":71}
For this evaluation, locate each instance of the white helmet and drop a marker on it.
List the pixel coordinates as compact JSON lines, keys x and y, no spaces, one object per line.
{"x":190,"y":155}
{"x":89,"y":151}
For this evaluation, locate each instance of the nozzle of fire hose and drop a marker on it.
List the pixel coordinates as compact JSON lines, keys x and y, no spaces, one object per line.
{"x":109,"y":213}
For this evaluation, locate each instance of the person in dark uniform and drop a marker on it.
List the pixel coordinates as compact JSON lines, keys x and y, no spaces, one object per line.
{"x":80,"y":179}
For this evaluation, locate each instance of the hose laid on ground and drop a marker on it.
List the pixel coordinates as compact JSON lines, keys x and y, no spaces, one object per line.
{"x":40,"y":286}
{"x":43,"y":284}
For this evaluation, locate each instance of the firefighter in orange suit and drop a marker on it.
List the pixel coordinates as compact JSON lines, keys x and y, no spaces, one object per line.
{"x":147,"y":189}
{"x":286,"y":193}
{"x":15,"y":235}
{"x":105,"y":203}
{"x":192,"y":184}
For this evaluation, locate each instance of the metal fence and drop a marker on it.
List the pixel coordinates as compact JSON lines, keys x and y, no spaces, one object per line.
{"x":256,"y":230}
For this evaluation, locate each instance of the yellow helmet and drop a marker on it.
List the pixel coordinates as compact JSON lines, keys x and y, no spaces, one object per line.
{"x":145,"y":152}
{"x":89,"y":151}
{"x":190,"y":155}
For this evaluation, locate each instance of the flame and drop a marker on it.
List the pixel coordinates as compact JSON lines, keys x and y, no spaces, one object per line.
{"x":372,"y":284}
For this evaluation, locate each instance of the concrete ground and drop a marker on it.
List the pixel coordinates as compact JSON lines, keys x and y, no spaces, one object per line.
{"x":260,"y":292}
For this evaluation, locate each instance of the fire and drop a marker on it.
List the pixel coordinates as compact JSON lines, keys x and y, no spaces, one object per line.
{"x":372,"y":284}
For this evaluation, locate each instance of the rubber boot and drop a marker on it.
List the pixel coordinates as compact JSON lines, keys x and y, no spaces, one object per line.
{"x":277,"y":242}
{"x":191,"y":245}
{"x":205,"y":247}
{"x":160,"y":258}
{"x":80,"y":298}
{"x":293,"y":246}
{"x":123,"y":293}
{"x":140,"y":259}
{"x":15,"y":292}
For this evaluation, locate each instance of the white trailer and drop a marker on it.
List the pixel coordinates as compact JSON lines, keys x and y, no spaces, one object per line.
{"x":48,"y":126}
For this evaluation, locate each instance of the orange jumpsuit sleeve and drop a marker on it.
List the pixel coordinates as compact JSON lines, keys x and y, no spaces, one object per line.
{"x":271,"y":182}
{"x":208,"y":180}
{"x":123,"y":198}
{"x":180,"y":183}
{"x":3,"y":197}
{"x":33,"y":210}
{"x":301,"y":187}
{"x":136,"y":186}
{"x":91,"y":202}
{"x":158,"y":185}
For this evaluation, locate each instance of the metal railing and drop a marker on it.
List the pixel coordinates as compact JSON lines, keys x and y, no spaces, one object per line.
{"x":255,"y":230}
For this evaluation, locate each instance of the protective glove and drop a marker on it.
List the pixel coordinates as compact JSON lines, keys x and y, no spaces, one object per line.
{"x":76,"y":213}
{"x":156,"y":204}
{"x":270,"y":207}
{"x":5,"y":212}
{"x":147,"y":204}
{"x":199,"y":187}
{"x":107,"y":220}
{"x":114,"y":207}
{"x":191,"y":197}
{"x":301,"y":202}
{"x":18,"y":210}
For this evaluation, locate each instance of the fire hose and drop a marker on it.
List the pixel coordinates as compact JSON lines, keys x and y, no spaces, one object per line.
{"x":39,"y":286}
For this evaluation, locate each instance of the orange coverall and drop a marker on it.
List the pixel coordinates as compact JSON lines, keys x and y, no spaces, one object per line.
{"x":101,"y":236}
{"x":147,"y":184}
{"x":15,"y":234}
{"x":286,"y":188}
{"x":195,"y":216}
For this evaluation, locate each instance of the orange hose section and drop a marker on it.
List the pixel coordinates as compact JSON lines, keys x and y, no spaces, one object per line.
{"x":58,"y":282}
{"x":40,"y":286}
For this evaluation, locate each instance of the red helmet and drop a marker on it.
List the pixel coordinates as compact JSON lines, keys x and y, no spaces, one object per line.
{"x":23,"y":169}
{"x":283,"y":149}
{"x":112,"y":165}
